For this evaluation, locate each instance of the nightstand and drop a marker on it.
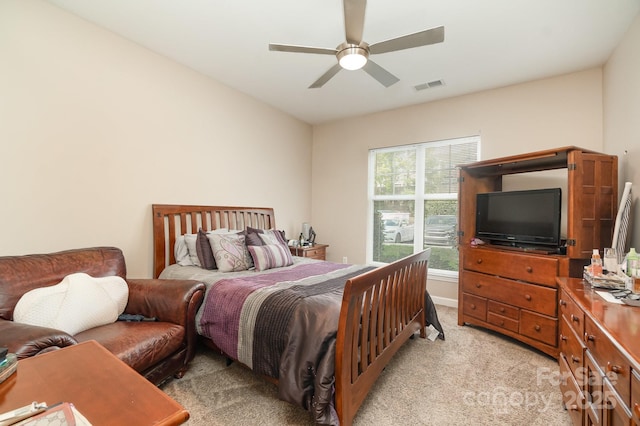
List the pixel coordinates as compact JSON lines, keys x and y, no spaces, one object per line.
{"x":316,"y":251}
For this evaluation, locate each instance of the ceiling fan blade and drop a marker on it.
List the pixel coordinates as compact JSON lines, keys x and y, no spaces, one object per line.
{"x":354,"y":20}
{"x":422,"y":38}
{"x":383,"y":76}
{"x":326,"y":77}
{"x":301,"y":49}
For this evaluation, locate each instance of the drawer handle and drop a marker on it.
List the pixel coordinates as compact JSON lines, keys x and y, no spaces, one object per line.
{"x":562,"y":303}
{"x":501,"y":310}
{"x":501,"y":323}
{"x":573,"y":407}
{"x":473,"y":306}
{"x":575,"y":318}
{"x":575,"y":359}
{"x":590,"y":337}
{"x":636,"y":409}
{"x":614,"y":368}
{"x":527,"y":296}
{"x":529,"y":269}
{"x":537,"y":327}
{"x":479,"y":261}
{"x":478,"y":285}
{"x":563,"y":337}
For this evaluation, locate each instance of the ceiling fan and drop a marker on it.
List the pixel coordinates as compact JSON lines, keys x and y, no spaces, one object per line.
{"x":354,"y":53}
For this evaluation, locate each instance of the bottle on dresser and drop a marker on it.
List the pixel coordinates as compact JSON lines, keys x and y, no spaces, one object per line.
{"x":596,"y":263}
{"x":633,"y":263}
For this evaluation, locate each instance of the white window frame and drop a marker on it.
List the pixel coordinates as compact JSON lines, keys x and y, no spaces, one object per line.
{"x":419,"y":197}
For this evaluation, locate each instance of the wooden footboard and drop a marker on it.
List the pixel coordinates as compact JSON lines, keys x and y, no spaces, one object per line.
{"x":381,"y":310}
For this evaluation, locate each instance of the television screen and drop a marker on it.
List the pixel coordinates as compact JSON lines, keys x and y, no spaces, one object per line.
{"x":520,"y":218}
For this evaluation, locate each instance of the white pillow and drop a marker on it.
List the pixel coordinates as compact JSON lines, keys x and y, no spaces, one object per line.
{"x":190,"y":240}
{"x":79,"y":302}
{"x":181,"y":252}
{"x":220,"y":231}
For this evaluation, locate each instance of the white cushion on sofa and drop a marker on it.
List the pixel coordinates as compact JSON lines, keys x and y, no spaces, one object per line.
{"x":79,"y":302}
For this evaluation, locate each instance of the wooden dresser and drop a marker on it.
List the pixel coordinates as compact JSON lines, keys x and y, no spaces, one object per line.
{"x":599,"y":360}
{"x":513,"y":293}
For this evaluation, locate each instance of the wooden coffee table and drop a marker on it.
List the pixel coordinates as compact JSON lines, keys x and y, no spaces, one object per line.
{"x":103,"y":388}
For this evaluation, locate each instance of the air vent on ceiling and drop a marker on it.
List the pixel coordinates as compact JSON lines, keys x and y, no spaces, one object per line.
{"x":429,"y":85}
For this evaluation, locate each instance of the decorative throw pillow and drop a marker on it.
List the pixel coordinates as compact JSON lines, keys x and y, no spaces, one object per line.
{"x":79,"y":302}
{"x":273,"y":236}
{"x":190,"y":240}
{"x":203,"y":248}
{"x":270,"y":256}
{"x":269,"y":239}
{"x":181,"y":252}
{"x":280,"y":234}
{"x":230,"y":252}
{"x":253,"y":239}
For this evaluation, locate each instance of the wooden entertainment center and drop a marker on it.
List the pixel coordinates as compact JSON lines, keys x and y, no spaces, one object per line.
{"x":513,"y":290}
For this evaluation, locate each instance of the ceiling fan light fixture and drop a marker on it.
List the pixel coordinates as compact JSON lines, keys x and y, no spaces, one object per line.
{"x":352,"y":58}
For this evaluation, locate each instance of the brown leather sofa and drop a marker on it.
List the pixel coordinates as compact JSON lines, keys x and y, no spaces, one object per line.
{"x":156,"y":349}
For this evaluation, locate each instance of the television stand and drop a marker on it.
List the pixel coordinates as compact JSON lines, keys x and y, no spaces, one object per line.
{"x":527,"y":249}
{"x":513,"y":290}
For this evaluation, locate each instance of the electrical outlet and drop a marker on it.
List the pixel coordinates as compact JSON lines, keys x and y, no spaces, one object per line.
{"x":344,"y":259}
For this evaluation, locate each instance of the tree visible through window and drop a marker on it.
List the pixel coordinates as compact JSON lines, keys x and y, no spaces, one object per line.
{"x":413,"y":200}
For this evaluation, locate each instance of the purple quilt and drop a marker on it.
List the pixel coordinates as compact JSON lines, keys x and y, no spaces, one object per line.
{"x":283,"y":324}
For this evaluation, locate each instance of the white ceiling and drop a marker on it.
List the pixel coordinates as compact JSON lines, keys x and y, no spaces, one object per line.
{"x":488,"y":44}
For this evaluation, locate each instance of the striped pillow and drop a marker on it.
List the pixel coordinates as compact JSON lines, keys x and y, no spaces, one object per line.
{"x":270,"y":256}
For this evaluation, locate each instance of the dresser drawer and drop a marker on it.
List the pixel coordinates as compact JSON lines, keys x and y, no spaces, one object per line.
{"x":474,"y":306}
{"x":572,"y":396}
{"x":613,"y":364}
{"x":572,"y":312}
{"x":539,"y":327}
{"x":635,"y":396}
{"x":503,"y":310}
{"x":593,"y":389}
{"x":316,"y":253}
{"x":571,"y":346}
{"x":504,"y":316}
{"x":523,"y":295}
{"x":525,"y":267}
{"x":504,"y":322}
{"x":617,"y":412}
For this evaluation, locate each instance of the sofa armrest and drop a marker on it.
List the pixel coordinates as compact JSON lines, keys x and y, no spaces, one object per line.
{"x":26,"y":340}
{"x":175,"y":301}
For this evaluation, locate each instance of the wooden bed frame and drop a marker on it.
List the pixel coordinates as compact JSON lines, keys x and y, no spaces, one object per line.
{"x":381,"y":309}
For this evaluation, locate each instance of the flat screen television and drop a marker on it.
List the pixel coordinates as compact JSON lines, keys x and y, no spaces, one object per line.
{"x":529,"y":218}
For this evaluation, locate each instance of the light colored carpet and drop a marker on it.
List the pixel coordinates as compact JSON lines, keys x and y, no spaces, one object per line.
{"x":474,"y":377}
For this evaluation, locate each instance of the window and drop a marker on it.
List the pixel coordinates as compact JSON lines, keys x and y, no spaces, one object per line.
{"x":413,"y":201}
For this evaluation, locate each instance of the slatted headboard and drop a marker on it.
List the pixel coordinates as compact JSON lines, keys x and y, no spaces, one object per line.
{"x":170,"y":221}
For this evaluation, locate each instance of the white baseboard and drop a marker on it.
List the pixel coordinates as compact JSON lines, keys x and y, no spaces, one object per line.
{"x":445,"y":301}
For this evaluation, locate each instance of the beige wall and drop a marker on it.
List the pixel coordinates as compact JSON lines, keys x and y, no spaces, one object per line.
{"x":94,"y":129}
{"x":622,"y":115}
{"x":550,"y":113}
